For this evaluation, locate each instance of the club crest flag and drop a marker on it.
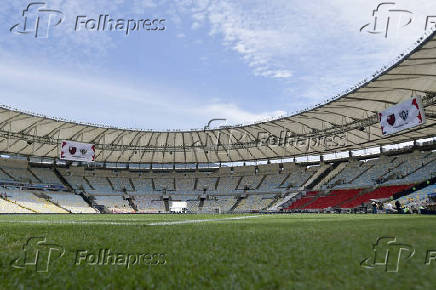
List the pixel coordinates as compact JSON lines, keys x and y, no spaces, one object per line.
{"x":406,"y":115}
{"x":75,"y":151}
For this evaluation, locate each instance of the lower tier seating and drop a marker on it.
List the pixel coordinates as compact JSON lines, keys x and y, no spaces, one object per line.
{"x":30,"y":201}
{"x":9,"y":207}
{"x":379,"y":193}
{"x":334,"y":198}
{"x":299,"y":203}
{"x":71,"y":202}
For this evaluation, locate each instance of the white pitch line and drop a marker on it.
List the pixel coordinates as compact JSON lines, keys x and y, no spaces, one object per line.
{"x":128,"y":223}
{"x":201,"y":221}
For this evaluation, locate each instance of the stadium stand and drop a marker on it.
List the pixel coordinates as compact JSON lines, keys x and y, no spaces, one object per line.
{"x":383,"y":192}
{"x":221,"y":203}
{"x":142,"y":185}
{"x":162,"y":184}
{"x":417,"y":198}
{"x":333,"y":199}
{"x":303,"y":201}
{"x":253,"y":203}
{"x":272,"y":182}
{"x":10,"y":207}
{"x":185,"y":185}
{"x":292,"y":186}
{"x":207,"y":183}
{"x":281,"y":201}
{"x":149,"y":204}
{"x":193,"y":206}
{"x":71,"y":202}
{"x":228,"y":184}
{"x":121,"y":184}
{"x":32,"y":202}
{"x":115,"y":204}
{"x":46,"y":175}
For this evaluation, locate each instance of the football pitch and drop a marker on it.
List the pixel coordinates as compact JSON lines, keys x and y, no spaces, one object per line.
{"x":217,"y":251}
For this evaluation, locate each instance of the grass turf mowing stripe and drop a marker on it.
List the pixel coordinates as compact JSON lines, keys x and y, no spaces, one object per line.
{"x":129,"y":223}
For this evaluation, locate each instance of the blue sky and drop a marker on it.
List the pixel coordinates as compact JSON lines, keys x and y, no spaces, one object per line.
{"x":239,"y":60}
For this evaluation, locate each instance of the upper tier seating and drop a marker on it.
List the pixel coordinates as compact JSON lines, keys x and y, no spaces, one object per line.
{"x":164,"y":184}
{"x":272,"y":182}
{"x":250,"y":181}
{"x":121,"y":184}
{"x":299,"y":176}
{"x":206,"y":183}
{"x":424,"y":173}
{"x":46,"y":175}
{"x":228,"y":184}
{"x":143,"y":185}
{"x":350,"y":172}
{"x":377,"y":168}
{"x":21,"y":175}
{"x":100,"y":184}
{"x":185,"y":185}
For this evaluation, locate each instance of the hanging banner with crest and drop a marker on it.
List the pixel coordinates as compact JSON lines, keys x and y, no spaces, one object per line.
{"x":406,"y":115}
{"x":75,"y":151}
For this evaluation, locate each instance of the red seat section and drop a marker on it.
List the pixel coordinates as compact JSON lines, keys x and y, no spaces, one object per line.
{"x":379,"y":193}
{"x":310,"y":196}
{"x":334,"y":198}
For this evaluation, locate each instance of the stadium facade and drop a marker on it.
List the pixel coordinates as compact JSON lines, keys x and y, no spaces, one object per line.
{"x":332,"y":156}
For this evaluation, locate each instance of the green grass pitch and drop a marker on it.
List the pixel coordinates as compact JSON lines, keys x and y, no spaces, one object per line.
{"x":215,"y":252}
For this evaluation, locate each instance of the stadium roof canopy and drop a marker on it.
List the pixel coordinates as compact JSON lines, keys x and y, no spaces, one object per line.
{"x":346,"y":122}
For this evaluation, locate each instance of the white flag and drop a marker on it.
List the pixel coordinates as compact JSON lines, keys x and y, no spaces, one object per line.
{"x":403,"y":116}
{"x":75,"y":151}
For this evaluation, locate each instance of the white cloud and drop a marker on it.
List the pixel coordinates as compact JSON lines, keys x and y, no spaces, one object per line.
{"x":125,"y":104}
{"x":195,"y":25}
{"x":313,"y":47}
{"x":234,"y":114}
{"x":315,"y":44}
